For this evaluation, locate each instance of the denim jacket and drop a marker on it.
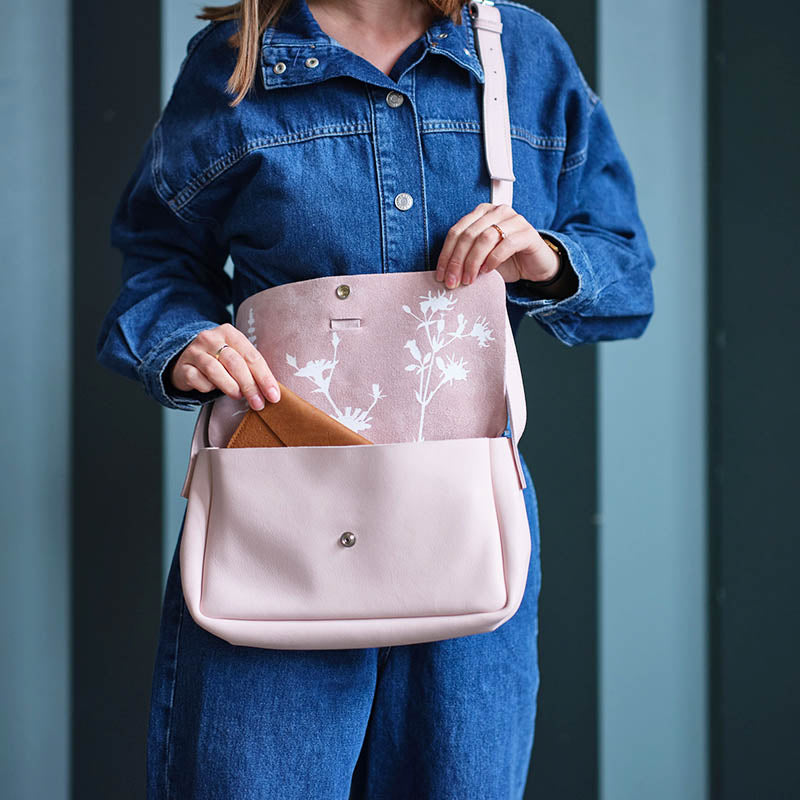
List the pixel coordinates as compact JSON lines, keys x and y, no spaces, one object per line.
{"x":300,"y":181}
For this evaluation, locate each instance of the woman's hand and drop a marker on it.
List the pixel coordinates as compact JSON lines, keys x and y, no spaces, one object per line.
{"x":240,"y":371}
{"x":472,"y":245}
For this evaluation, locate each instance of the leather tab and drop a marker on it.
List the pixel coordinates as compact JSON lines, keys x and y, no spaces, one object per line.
{"x":489,"y":25}
{"x":199,"y":439}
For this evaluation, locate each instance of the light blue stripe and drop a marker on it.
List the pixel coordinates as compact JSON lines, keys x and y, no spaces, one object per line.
{"x":178,"y":25}
{"x":652,"y":560}
{"x":35,"y":364}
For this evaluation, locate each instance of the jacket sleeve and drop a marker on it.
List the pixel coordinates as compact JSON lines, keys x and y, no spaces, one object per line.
{"x":173,"y":278}
{"x":173,"y":286}
{"x":597,"y":223}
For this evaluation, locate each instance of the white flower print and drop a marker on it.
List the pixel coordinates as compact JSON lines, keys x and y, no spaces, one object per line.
{"x":315,"y":370}
{"x":244,"y":406}
{"x":449,"y":370}
{"x":482,"y":333}
{"x":439,"y":303}
{"x":251,"y":326}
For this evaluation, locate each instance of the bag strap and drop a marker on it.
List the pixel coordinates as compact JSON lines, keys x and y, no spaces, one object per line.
{"x":496,"y":126}
{"x":497,"y":146}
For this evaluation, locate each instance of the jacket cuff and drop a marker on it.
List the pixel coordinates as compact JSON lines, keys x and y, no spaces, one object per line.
{"x":153,"y":370}
{"x":549,"y":311}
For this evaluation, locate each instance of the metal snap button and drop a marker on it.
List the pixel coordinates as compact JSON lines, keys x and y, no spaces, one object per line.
{"x":312,"y":62}
{"x":442,"y":35}
{"x":279,"y":67}
{"x":348,"y":538}
{"x":394,"y":99}
{"x":342,"y":291}
{"x":404,"y":201}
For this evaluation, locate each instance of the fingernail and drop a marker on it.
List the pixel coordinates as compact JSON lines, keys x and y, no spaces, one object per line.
{"x":451,"y":281}
{"x":465,"y":280}
{"x":257,"y":402}
{"x":273,"y":393}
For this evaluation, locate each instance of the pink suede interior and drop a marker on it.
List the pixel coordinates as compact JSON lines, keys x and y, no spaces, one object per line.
{"x":414,"y":360}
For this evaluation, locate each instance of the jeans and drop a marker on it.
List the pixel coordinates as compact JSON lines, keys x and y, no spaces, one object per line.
{"x":442,"y":720}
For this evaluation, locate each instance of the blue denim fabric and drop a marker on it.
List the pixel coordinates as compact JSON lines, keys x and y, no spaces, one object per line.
{"x":299,"y":182}
{"x":447,"y":720}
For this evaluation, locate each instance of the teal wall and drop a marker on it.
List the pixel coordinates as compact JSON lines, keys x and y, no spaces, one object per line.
{"x":35,"y":410}
{"x":652,"y":468}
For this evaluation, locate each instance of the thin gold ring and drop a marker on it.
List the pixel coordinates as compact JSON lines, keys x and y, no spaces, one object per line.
{"x":216,"y":355}
{"x":499,"y":230}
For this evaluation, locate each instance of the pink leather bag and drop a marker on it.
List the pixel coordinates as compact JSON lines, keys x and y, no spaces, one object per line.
{"x":422,"y":535}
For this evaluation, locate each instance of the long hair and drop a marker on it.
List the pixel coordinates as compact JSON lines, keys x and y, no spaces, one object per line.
{"x":255,"y":16}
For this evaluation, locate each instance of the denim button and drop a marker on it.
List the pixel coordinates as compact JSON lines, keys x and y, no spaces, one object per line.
{"x":279,"y":67}
{"x":312,"y":62}
{"x":404,"y":201}
{"x":394,"y":99}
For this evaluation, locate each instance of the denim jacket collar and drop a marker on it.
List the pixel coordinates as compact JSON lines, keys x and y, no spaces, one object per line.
{"x":298,"y":36}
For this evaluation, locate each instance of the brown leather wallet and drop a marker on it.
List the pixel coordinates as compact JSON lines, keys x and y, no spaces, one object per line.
{"x":291,"y":422}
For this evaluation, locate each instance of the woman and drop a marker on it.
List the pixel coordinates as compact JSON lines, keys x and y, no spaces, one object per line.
{"x":341,"y":137}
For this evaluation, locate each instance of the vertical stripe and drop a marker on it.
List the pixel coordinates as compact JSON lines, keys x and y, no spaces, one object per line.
{"x":560,"y":447}
{"x":178,"y":25}
{"x":754,"y":175}
{"x":116,"y":428}
{"x":34,"y":426}
{"x":652,"y":426}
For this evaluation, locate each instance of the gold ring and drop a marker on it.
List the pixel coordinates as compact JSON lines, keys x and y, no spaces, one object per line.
{"x":499,"y":230}
{"x":216,"y":355}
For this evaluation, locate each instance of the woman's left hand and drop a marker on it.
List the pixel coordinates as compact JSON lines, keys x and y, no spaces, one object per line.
{"x":472,"y":245}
